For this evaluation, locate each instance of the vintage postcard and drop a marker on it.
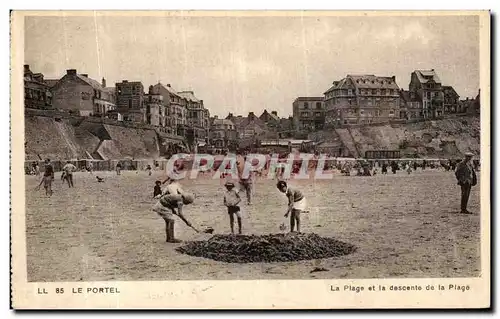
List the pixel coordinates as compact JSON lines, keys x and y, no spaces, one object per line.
{"x":250,"y":160}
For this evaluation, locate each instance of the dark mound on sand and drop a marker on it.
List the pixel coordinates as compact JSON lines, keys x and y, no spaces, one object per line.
{"x":267,"y":248}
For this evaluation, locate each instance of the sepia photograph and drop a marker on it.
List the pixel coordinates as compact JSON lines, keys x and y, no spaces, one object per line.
{"x":240,"y":148}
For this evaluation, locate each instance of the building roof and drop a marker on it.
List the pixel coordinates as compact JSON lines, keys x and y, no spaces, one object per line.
{"x":244,"y":122}
{"x":273,"y":116}
{"x":189,"y":95}
{"x":366,"y":81}
{"x":222,"y":122}
{"x":374,"y":82}
{"x":167,"y":88}
{"x":425,"y":75}
{"x":450,"y":90}
{"x":51,"y":82}
{"x":93,"y":83}
{"x":309,"y":98}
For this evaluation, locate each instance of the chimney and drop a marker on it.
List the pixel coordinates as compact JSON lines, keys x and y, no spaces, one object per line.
{"x":103,"y":82}
{"x":150,"y":90}
{"x":275,"y":113}
{"x":432,"y":69}
{"x":393,"y":78}
{"x":124,"y":81}
{"x":85,"y":75}
{"x":168,"y":85}
{"x":216,"y":117}
{"x":26,"y":68}
{"x":251,"y":115}
{"x":71,"y":72}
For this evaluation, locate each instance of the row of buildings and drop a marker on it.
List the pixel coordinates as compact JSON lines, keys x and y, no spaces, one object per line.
{"x":174,"y":112}
{"x":366,"y":99}
{"x":353,"y":100}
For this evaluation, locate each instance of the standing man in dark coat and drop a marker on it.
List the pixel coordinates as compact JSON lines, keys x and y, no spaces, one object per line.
{"x":466,"y":177}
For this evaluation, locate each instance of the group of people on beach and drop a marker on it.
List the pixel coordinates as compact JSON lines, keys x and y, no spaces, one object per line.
{"x":172,"y":199}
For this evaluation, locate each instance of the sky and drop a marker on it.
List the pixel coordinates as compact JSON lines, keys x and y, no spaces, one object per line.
{"x":243,"y":64}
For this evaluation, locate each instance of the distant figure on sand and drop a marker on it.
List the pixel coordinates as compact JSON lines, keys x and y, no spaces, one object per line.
{"x":231,"y":201}
{"x":118,"y":168}
{"x":148,"y":169}
{"x":90,"y":167}
{"x":35,"y":169}
{"x":384,"y":168}
{"x":296,"y":204}
{"x":466,"y":177}
{"x":68,"y":170}
{"x":394,"y":167}
{"x":246,"y":182}
{"x":48,"y":177}
{"x":157,"y":189}
{"x":173,"y":198}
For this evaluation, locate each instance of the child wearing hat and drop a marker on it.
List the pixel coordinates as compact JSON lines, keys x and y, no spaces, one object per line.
{"x":296,"y":204}
{"x":171,"y":203}
{"x":231,"y":201}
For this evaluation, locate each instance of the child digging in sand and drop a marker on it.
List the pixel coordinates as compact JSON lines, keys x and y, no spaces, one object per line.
{"x":296,"y":204}
{"x":231,"y":201}
{"x":173,"y":198}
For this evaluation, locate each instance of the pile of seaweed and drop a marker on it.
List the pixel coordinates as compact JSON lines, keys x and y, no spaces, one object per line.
{"x":267,"y":248}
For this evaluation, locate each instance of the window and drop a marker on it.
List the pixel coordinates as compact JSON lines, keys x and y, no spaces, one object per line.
{"x":392,"y":92}
{"x":374,"y":92}
{"x":428,"y":95}
{"x":361,"y":112}
{"x":318,"y":105}
{"x":382,"y":92}
{"x":306,"y":105}
{"x":391,"y":112}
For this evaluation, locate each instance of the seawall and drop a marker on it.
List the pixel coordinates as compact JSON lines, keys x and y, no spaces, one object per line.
{"x":64,"y":138}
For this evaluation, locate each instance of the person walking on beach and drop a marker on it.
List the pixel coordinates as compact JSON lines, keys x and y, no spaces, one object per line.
{"x":48,"y":177}
{"x":118,"y":168}
{"x":466,"y":177}
{"x":68,"y":170}
{"x":246,"y":182}
{"x":384,"y":168}
{"x":232,"y":200}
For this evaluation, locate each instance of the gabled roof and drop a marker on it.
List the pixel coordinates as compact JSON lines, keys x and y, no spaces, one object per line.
{"x":450,"y":90}
{"x":273,"y":116}
{"x":169,"y":89}
{"x":336,"y":85}
{"x":51,"y":82}
{"x":243,"y":122}
{"x":188,"y":95}
{"x":93,"y":83}
{"x":425,"y":75}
